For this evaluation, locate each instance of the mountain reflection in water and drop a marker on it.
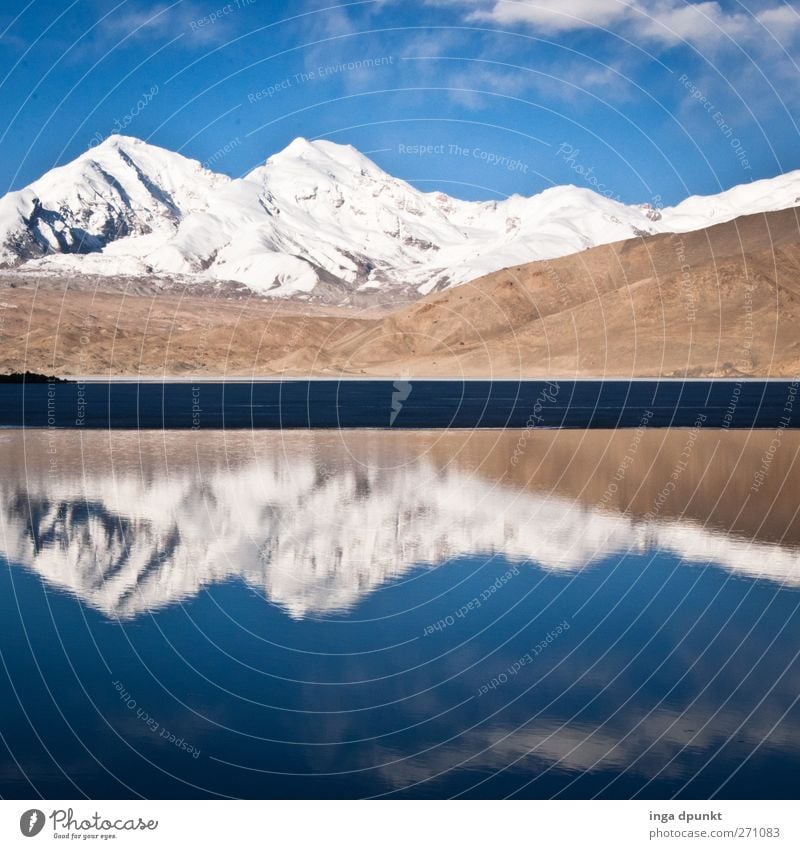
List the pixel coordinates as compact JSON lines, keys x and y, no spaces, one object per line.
{"x":301,"y":607}
{"x":132,"y":523}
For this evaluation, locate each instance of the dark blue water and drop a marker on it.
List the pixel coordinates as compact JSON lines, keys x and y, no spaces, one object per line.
{"x":401,"y":404}
{"x":645,"y":694}
{"x":295,"y":617}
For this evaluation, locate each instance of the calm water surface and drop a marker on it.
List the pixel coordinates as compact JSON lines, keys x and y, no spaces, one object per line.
{"x":417,"y":404}
{"x":430,"y":614}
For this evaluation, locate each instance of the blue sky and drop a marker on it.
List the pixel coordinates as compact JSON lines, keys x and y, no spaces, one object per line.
{"x":644,"y":100}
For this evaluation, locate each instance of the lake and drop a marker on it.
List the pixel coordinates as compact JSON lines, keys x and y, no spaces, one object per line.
{"x":401,"y":404}
{"x":357,"y":613}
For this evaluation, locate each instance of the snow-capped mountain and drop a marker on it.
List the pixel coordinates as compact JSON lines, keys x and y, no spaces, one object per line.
{"x":317,"y":220}
{"x":304,"y":523}
{"x":113,"y":194}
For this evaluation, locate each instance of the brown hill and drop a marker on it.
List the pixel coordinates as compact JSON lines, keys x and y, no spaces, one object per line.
{"x":720,"y":301}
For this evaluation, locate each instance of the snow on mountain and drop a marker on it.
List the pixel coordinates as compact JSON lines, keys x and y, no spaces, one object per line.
{"x":317,"y":220}
{"x":309,"y":526}
{"x":697,"y":212}
{"x":114,"y":193}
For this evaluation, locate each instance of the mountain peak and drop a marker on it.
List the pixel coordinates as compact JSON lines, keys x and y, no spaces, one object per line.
{"x":322,"y":151}
{"x":118,"y":143}
{"x":300,"y":146}
{"x":121,"y":187}
{"x":120,"y":140}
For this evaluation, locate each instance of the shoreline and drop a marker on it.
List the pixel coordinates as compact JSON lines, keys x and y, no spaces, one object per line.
{"x":267,"y":379}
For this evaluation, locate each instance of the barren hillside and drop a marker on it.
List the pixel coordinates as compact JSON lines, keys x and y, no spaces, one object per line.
{"x":722,"y":301}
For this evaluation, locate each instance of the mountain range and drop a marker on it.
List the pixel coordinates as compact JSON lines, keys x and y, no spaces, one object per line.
{"x":317,"y":221}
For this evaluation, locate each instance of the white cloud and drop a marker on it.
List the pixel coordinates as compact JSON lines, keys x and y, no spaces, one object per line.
{"x":139,"y":21}
{"x":167,"y":20}
{"x":780,"y":19}
{"x":700,"y":23}
{"x":666,"y":21}
{"x":553,"y":15}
